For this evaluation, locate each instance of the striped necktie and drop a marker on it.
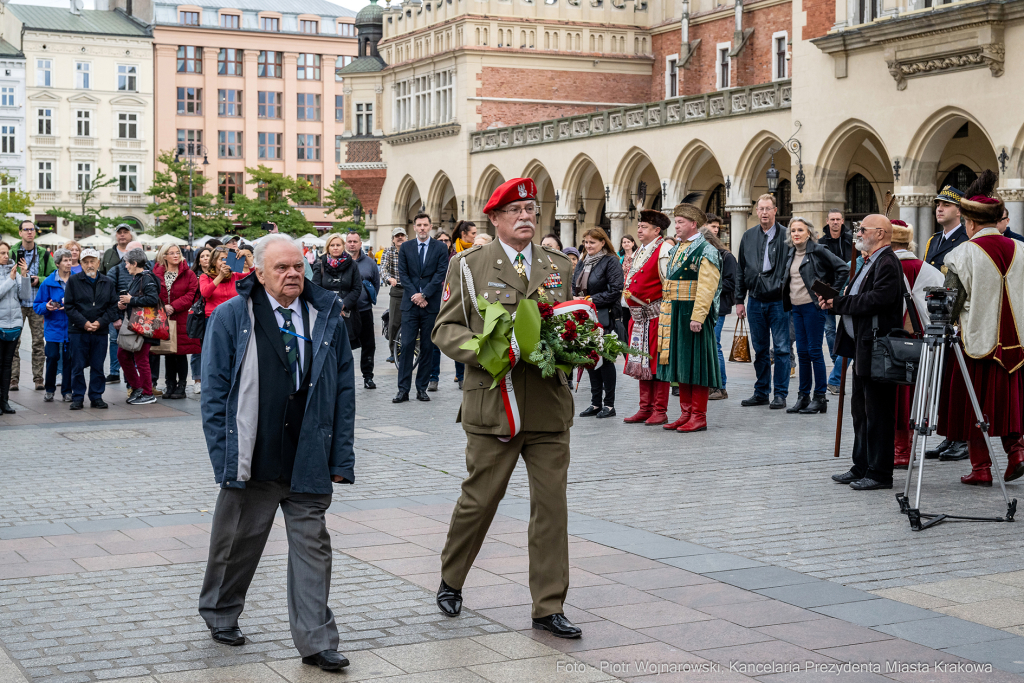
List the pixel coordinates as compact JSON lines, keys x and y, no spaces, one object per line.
{"x":291,"y":345}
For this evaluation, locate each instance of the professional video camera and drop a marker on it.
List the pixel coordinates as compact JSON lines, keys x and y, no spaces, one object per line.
{"x":939,"y":335}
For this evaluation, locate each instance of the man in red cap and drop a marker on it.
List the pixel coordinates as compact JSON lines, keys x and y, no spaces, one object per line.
{"x":643,"y":296}
{"x":499,"y":428}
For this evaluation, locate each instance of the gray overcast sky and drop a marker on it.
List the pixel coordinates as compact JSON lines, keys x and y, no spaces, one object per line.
{"x":354,"y":5}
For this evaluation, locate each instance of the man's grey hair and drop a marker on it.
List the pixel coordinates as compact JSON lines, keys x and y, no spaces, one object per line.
{"x":60,"y":255}
{"x":812,"y":234}
{"x":273,"y":238}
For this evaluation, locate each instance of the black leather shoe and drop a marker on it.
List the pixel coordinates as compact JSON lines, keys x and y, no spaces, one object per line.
{"x":228,"y":636}
{"x":778,"y":403}
{"x":867,"y":484}
{"x":113,"y":379}
{"x":369,"y":384}
{"x":422,"y":396}
{"x":328,"y":660}
{"x":755,"y":400}
{"x":449,"y":600}
{"x":607,"y":411}
{"x":934,"y":453}
{"x":6,"y":409}
{"x":957,"y":451}
{"x":847,"y":477}
{"x":591,"y":411}
{"x":99,"y":404}
{"x":802,"y":401}
{"x":675,"y":390}
{"x":819,"y":404}
{"x":401,"y":397}
{"x":558,"y":625}
{"x":77,"y":405}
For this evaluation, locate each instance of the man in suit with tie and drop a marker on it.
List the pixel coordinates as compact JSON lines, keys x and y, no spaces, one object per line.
{"x":278,"y":408}
{"x":422,"y":264}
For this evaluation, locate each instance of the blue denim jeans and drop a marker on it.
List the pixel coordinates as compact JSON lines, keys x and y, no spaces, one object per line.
{"x":87,"y":350}
{"x":197,"y":363}
{"x":718,"y":342}
{"x":435,"y":365}
{"x":837,"y":361}
{"x":809,"y":321}
{"x":460,"y":371}
{"x":769,"y":329}
{"x":57,"y":353}
{"x":115,"y":366}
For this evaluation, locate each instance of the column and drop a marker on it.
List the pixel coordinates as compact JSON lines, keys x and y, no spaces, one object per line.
{"x":925,"y":225}
{"x":1014,"y":200}
{"x":567,"y":229}
{"x":738,"y":216}
{"x":618,"y":220}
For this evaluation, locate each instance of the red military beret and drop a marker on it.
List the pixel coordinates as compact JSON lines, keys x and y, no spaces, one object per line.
{"x":515,"y":190}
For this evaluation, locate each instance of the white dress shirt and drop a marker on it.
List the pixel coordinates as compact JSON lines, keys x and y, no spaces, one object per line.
{"x":297,"y":326}
{"x":527,"y":256}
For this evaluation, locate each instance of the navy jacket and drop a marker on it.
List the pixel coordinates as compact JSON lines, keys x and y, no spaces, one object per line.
{"x":230,"y":398}
{"x":937,"y":247}
{"x":426,"y":278}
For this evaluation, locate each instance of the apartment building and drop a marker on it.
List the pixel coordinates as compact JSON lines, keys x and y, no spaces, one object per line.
{"x":12,"y":116}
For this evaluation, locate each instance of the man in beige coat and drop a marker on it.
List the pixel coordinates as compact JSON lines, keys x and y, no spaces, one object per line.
{"x":509,"y":269}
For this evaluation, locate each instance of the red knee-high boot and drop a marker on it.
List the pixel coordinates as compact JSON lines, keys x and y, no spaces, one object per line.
{"x":1014,"y":447}
{"x":698,"y":421}
{"x":659,"y":403}
{"x":904,"y":441}
{"x":685,"y":397}
{"x":646,"y":392}
{"x":981,"y":462}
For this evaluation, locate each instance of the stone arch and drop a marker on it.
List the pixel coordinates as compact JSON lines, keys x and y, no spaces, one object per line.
{"x":442,"y":204}
{"x":853,"y":149}
{"x":583,"y":186}
{"x":635,"y":167}
{"x":750,"y":182}
{"x":697,"y":171}
{"x":546,"y":221}
{"x":489,"y":180}
{"x":407,"y":202}
{"x":930,"y":149}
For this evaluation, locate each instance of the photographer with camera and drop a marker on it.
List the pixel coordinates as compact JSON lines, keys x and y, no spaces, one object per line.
{"x":987,"y":273}
{"x":873,"y":302}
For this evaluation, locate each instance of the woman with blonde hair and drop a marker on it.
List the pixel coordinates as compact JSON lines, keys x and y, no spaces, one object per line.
{"x":598,"y":278}
{"x":337,"y":271}
{"x":76,"y":250}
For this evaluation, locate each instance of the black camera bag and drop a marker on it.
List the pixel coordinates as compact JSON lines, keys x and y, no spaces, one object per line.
{"x":895,"y":357}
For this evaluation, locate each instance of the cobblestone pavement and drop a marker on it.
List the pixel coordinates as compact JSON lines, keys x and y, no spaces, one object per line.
{"x":103,"y":528}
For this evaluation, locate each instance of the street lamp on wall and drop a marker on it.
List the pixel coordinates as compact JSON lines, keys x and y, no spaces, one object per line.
{"x":773,"y":177}
{"x":581,"y":213}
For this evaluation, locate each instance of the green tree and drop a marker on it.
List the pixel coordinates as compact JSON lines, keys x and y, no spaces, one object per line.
{"x":12,"y":201}
{"x":90,"y":215}
{"x":169,"y":192}
{"x":275,"y":198}
{"x":341,"y":201}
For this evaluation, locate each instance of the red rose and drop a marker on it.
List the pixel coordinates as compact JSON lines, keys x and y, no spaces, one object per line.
{"x":592,"y":355}
{"x":580,"y":316}
{"x":570,"y":326}
{"x":568,"y":335}
{"x":546,"y":310}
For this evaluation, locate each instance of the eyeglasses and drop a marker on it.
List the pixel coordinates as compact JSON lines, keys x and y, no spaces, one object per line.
{"x":530,"y":209}
{"x":859,"y":229}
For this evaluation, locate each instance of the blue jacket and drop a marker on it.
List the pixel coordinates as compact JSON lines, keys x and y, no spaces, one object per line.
{"x":426,"y":277}
{"x":55,"y":323}
{"x":230,"y":398}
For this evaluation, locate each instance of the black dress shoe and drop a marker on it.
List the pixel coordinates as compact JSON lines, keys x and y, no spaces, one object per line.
{"x":847,"y":477}
{"x":401,"y":397}
{"x":369,"y":384}
{"x":933,"y":453}
{"x":77,"y":405}
{"x":228,"y":636}
{"x":868,"y":484}
{"x":99,"y":404}
{"x":956,"y":451}
{"x":113,"y":379}
{"x":449,"y":600}
{"x":755,"y":400}
{"x":422,"y":396}
{"x":558,"y":625}
{"x":6,"y":409}
{"x":607,"y":411}
{"x":777,"y":403}
{"x":675,"y":390}
{"x":591,"y":411}
{"x":328,"y":660}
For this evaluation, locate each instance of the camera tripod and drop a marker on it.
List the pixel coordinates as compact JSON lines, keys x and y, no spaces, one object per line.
{"x":924,"y":414}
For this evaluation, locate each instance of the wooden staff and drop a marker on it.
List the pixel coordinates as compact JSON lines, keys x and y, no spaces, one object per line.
{"x":846,"y":362}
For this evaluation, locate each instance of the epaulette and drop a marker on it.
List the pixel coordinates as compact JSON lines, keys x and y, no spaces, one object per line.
{"x":473,"y":248}
{"x":553,"y":251}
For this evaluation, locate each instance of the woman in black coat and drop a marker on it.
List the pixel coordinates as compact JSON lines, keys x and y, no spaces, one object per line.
{"x":808,"y":261}
{"x":598,"y":277}
{"x":143,"y":292}
{"x":337,"y":271}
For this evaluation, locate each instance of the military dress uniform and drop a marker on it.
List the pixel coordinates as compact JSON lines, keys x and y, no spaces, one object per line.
{"x":546,"y":412}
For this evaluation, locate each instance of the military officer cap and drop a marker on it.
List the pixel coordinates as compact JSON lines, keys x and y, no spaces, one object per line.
{"x":515,"y":190}
{"x":950,"y":195}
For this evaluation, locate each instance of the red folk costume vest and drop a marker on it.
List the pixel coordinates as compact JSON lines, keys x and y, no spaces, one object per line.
{"x":643,"y":296}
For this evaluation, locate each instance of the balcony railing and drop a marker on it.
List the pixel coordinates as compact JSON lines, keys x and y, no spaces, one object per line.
{"x":83,"y":142}
{"x":128,"y":198}
{"x":717,"y":105}
{"x":127,"y":144}
{"x":44,"y":140}
{"x":46,"y":196}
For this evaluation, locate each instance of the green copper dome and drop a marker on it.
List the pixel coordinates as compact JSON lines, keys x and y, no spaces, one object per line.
{"x":371,"y":14}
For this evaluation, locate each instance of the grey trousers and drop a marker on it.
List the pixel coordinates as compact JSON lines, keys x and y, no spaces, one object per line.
{"x":241,"y":524}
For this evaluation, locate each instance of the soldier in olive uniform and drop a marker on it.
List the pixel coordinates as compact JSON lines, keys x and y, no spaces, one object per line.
{"x":509,"y":269}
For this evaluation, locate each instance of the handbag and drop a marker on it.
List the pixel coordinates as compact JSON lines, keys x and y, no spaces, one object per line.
{"x":10,"y":334}
{"x":896,"y":356}
{"x":167,"y":347}
{"x":128,"y":339}
{"x":740,"y":352}
{"x":150,"y":322}
{"x":195,"y":323}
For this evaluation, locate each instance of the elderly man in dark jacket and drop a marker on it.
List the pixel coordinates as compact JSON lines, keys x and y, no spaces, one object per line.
{"x":90,"y":302}
{"x":278,"y":411}
{"x":875,"y":291}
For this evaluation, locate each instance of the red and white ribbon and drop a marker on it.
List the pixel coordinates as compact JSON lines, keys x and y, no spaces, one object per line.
{"x":508,"y":392}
